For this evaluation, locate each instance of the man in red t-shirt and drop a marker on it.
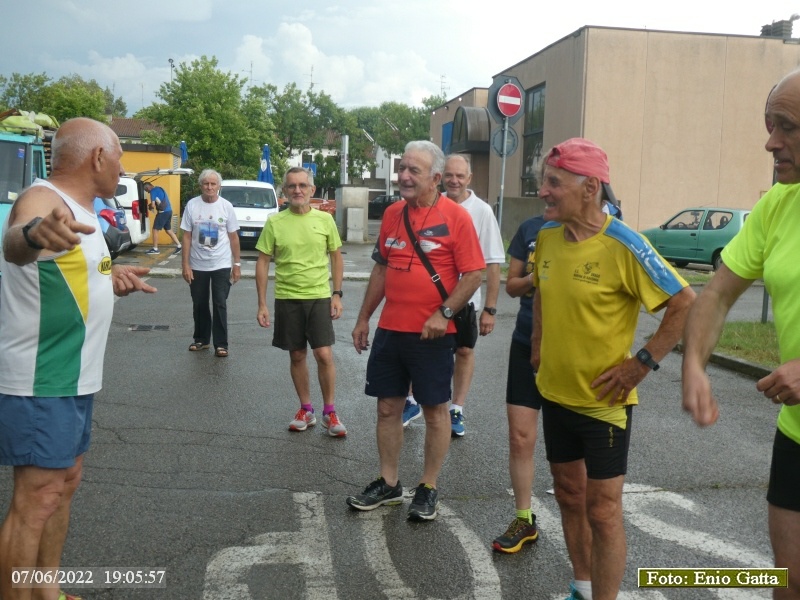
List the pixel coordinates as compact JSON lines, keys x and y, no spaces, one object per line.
{"x":415,"y":341}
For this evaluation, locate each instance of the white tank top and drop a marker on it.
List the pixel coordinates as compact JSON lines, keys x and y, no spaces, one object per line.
{"x":55,"y":314}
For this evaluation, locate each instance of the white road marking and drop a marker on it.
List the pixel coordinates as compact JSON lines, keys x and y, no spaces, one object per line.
{"x":227,"y":571}
{"x":486,"y":581}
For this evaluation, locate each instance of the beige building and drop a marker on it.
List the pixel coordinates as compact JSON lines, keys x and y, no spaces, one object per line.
{"x":679,"y":114}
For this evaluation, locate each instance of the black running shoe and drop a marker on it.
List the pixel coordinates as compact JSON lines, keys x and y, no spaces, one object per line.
{"x":519,"y":533}
{"x":425,"y":503}
{"x":376,"y":494}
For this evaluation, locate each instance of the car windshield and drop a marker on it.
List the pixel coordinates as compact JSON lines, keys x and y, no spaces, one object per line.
{"x":249,"y":197}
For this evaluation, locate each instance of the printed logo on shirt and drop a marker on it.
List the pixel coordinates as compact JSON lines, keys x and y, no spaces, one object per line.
{"x":435,"y":231}
{"x":394,"y":243}
{"x":587,"y":272}
{"x":428,"y":246}
{"x":104,"y":266}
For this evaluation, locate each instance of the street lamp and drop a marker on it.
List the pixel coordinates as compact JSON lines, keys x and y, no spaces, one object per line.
{"x":171,"y":68}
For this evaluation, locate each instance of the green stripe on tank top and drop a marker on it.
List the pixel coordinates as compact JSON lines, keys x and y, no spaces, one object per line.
{"x":61,"y":334}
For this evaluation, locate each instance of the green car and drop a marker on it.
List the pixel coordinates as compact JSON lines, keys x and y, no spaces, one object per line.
{"x":697,"y":235}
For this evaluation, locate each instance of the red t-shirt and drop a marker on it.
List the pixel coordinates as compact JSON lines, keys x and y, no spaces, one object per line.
{"x":447,"y":236}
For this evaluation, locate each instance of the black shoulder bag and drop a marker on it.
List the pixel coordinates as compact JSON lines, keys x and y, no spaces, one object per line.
{"x":465,"y":320}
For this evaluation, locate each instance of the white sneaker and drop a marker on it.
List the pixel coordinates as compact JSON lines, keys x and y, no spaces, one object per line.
{"x":334,"y":426}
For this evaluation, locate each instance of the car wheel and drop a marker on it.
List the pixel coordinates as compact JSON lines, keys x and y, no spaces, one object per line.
{"x":716,"y":260}
{"x":681,"y":263}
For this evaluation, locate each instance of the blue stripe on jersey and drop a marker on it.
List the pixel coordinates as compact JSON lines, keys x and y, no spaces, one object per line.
{"x":648,"y":258}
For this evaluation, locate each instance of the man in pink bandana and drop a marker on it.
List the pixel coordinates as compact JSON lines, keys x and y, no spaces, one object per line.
{"x":591,"y":275}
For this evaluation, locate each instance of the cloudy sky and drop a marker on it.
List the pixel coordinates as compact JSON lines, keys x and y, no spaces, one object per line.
{"x":360,"y":52}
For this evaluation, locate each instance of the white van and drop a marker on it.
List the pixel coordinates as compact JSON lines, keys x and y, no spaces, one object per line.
{"x":130,"y":196}
{"x":253,"y":202}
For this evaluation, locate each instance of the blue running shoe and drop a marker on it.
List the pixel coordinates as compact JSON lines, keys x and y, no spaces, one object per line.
{"x":411,"y":411}
{"x":457,"y":422}
{"x":574,"y":594}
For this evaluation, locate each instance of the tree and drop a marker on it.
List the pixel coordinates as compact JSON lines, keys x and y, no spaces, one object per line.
{"x":70,"y":96}
{"x":73,"y":97}
{"x":204,"y":106}
{"x":23,"y":91}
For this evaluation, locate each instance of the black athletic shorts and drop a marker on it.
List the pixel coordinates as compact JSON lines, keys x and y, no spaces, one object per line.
{"x":570,"y":436}
{"x":521,"y":387}
{"x":784,"y":474}
{"x":303,"y":323}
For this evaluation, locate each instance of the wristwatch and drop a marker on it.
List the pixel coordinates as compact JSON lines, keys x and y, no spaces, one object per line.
{"x":644,"y":357}
{"x":490,"y":309}
{"x":446,"y":311}
{"x":26,"y":228}
{"x":338,"y":293}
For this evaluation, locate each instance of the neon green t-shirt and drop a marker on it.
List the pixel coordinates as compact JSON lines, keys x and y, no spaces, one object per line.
{"x":591,"y":293}
{"x":299,"y":246}
{"x":768,"y":247}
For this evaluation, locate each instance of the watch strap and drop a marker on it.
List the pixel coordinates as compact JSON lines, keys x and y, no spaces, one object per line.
{"x":26,"y":228}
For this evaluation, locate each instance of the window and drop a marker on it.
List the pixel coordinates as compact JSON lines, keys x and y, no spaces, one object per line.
{"x":533,"y":136}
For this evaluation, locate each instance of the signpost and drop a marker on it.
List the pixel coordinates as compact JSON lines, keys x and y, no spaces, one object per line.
{"x":505,"y":105}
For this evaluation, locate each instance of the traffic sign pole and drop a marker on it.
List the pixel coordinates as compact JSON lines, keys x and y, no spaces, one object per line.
{"x":502,"y":174}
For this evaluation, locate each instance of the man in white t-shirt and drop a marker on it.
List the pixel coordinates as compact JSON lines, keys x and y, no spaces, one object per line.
{"x":457,"y":176}
{"x":210,"y":260}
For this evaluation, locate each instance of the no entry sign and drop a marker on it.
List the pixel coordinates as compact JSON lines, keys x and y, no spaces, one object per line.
{"x":509,"y":100}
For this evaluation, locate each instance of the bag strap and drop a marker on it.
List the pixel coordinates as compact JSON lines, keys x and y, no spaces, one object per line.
{"x":424,"y":259}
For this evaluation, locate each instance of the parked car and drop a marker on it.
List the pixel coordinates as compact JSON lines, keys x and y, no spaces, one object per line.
{"x":328,"y":206}
{"x":253,"y":202}
{"x":378,"y":205}
{"x":111,"y":217}
{"x":697,"y":235}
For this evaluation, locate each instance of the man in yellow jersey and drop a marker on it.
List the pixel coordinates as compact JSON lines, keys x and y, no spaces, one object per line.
{"x":592,"y":273}
{"x":55,"y":308}
{"x":766,"y":248}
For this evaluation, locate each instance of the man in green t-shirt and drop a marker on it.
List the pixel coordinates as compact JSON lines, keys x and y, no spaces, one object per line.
{"x":766,"y":248}
{"x":300,"y":240}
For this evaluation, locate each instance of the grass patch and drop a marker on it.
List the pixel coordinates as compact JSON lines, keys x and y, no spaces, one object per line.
{"x":693,"y":277}
{"x":754,"y":342}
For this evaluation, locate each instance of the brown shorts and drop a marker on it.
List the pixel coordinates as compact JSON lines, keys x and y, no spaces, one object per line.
{"x":303,"y":323}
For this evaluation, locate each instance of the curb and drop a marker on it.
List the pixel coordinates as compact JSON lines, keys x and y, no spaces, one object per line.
{"x":734,"y":364}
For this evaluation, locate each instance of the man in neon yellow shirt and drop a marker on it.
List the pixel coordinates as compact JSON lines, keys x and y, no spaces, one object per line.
{"x":592,"y":274}
{"x":766,"y":248}
{"x":301,"y":240}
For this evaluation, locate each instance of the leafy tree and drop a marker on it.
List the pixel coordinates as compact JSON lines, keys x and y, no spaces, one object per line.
{"x":23,"y":91}
{"x":73,"y":97}
{"x":204,"y":106}
{"x":70,"y":96}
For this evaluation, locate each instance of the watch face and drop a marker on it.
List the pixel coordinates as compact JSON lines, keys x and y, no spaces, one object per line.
{"x":447,"y":312}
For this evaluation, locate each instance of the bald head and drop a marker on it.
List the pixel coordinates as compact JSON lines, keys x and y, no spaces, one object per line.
{"x":782,"y":118}
{"x":77,"y":138}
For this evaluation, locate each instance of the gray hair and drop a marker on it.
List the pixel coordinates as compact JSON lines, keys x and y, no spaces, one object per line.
{"x":436,"y":154}
{"x":77,"y":138}
{"x":463,"y":157}
{"x":206,"y":173}
{"x":309,"y":173}
{"x":579,"y":179}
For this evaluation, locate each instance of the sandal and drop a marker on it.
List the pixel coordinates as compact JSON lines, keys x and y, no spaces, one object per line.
{"x":195,"y":346}
{"x":62,"y":595}
{"x":221,"y":352}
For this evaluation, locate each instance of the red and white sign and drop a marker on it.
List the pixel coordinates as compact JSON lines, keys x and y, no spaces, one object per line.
{"x":509,"y":100}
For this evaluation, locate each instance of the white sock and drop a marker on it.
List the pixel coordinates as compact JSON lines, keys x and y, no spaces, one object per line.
{"x":411,"y":399}
{"x":457,"y":408}
{"x":584,"y":587}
